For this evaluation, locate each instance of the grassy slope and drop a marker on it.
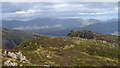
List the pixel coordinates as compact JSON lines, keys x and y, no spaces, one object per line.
{"x":65,"y":51}
{"x":11,"y":38}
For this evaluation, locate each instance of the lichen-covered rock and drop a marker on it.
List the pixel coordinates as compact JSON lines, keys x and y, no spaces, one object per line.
{"x":9,"y":63}
{"x":21,"y":65}
{"x":13,"y":55}
{"x":22,"y":58}
{"x":4,"y":53}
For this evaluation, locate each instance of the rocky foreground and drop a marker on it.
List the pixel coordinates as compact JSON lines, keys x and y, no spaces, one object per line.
{"x":11,"y":57}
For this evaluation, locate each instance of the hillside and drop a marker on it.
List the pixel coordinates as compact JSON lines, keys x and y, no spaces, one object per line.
{"x":87,"y":34}
{"x":67,"y":51}
{"x":11,"y":38}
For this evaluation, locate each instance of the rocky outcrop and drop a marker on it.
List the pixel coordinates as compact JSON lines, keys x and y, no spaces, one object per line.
{"x":10,"y":63}
{"x":14,"y":55}
{"x":21,"y":57}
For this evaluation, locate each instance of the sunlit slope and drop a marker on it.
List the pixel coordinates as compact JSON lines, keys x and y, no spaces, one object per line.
{"x":69,"y":51}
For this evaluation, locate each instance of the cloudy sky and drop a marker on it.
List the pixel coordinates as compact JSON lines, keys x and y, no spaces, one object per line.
{"x":86,"y":10}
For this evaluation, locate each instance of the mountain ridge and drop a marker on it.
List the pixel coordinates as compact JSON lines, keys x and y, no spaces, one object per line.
{"x":61,"y":27}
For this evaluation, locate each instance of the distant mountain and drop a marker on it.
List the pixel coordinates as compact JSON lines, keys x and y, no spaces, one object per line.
{"x":61,"y":27}
{"x":42,"y":23}
{"x":109,"y":27}
{"x":12,"y":38}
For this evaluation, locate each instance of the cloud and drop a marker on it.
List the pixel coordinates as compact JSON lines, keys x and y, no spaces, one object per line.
{"x":116,"y":33}
{"x":35,"y":27}
{"x":31,"y":10}
{"x":27,"y":12}
{"x":28,"y":28}
{"x":57,"y":25}
{"x":60,"y":5}
{"x":64,"y":5}
{"x":85,"y":23}
{"x":20,"y":12}
{"x":91,"y":13}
